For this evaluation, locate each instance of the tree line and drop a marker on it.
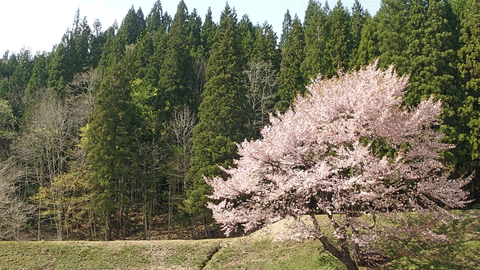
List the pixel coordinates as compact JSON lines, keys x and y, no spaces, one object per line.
{"x":112,"y":129}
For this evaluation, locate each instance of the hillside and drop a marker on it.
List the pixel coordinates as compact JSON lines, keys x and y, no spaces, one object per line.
{"x":256,"y":251}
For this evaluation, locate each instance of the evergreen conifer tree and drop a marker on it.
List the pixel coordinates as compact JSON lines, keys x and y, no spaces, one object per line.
{"x":265,"y":45}
{"x":469,"y":67}
{"x":155,"y":61}
{"x":208,"y":33}
{"x":132,"y":26}
{"x":392,"y":35}
{"x":292,"y":81}
{"x":39,"y":74}
{"x":175,"y":81}
{"x":357,"y":20}
{"x":433,"y":46}
{"x":111,"y":149}
{"x":142,"y":51}
{"x":339,"y":44}
{"x":368,"y":49}
{"x":223,"y":113}
{"x":57,"y":68}
{"x":286,"y":27}
{"x":154,"y":19}
{"x":194,"y":34}
{"x":98,"y":40}
{"x":433,"y":43}
{"x":246,"y":31}
{"x":317,"y":33}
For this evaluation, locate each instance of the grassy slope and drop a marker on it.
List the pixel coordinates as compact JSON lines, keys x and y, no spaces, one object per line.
{"x":462,"y":252}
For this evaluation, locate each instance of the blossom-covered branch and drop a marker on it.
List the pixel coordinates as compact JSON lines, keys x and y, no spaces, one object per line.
{"x":348,"y":149}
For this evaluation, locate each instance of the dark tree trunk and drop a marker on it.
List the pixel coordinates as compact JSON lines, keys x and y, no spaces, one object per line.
{"x":342,"y":255}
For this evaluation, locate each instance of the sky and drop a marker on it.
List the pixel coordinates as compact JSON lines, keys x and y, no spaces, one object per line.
{"x":39,"y":25}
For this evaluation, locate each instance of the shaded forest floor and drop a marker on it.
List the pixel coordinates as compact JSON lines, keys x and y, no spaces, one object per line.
{"x":256,"y":251}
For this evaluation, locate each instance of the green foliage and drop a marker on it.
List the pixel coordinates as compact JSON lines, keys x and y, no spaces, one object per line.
{"x":143,"y":96}
{"x":39,"y":74}
{"x":470,"y":69}
{"x":368,"y":50}
{"x":110,"y":146}
{"x":433,"y":45}
{"x":71,"y":56}
{"x":141,"y":54}
{"x":98,"y":39}
{"x":152,"y":67}
{"x":155,"y":60}
{"x":207,"y":33}
{"x":459,"y":7}
{"x":132,"y":26}
{"x":265,"y":46}
{"x":175,"y":81}
{"x":194,"y":39}
{"x":154,"y":20}
{"x":317,"y":32}
{"x":223,"y":112}
{"x":286,"y":27}
{"x":7,"y":128}
{"x":358,"y":20}
{"x":246,"y":30}
{"x":68,"y":199}
{"x":292,"y":81}
{"x":339,"y":44}
{"x":7,"y":120}
{"x":390,"y":36}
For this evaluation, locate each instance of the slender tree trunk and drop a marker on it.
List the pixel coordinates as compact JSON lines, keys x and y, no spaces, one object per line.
{"x":170,"y":209}
{"x":145,"y":224}
{"x":108,"y":229}
{"x":58,"y":223}
{"x":39,"y":231}
{"x":207,"y":232}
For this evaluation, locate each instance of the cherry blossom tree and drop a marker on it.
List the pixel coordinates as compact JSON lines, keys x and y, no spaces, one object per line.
{"x":349,"y":150}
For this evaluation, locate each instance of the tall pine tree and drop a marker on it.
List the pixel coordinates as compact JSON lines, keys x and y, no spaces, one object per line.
{"x":317,"y":32}
{"x":154,"y":19}
{"x":392,"y":35}
{"x":469,"y":67}
{"x":175,"y":81}
{"x":358,"y":19}
{"x":111,"y":150}
{"x":208,"y":33}
{"x":292,"y":81}
{"x":339,"y":45}
{"x":286,"y":27}
{"x":223,"y":113}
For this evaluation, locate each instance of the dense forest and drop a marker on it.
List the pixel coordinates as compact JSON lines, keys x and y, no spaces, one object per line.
{"x":110,"y":135}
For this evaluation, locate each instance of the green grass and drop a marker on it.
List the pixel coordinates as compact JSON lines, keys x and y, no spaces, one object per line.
{"x":462,"y":251}
{"x":254,"y":252}
{"x":265,"y":254}
{"x":70,"y":255}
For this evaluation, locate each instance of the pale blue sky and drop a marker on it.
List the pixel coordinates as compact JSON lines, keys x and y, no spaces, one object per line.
{"x":38,"y":25}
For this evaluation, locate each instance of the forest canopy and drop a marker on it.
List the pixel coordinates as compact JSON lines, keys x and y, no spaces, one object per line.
{"x":110,"y":134}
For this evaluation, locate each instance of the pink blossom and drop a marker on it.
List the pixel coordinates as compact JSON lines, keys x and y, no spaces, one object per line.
{"x":350,"y":150}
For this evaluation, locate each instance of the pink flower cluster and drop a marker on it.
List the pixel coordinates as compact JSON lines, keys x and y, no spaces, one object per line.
{"x":348,"y":149}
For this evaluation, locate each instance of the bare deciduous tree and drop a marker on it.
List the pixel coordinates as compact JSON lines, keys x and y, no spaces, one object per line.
{"x":181,"y":129}
{"x":13,"y":212}
{"x":262,"y":79}
{"x":50,"y":138}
